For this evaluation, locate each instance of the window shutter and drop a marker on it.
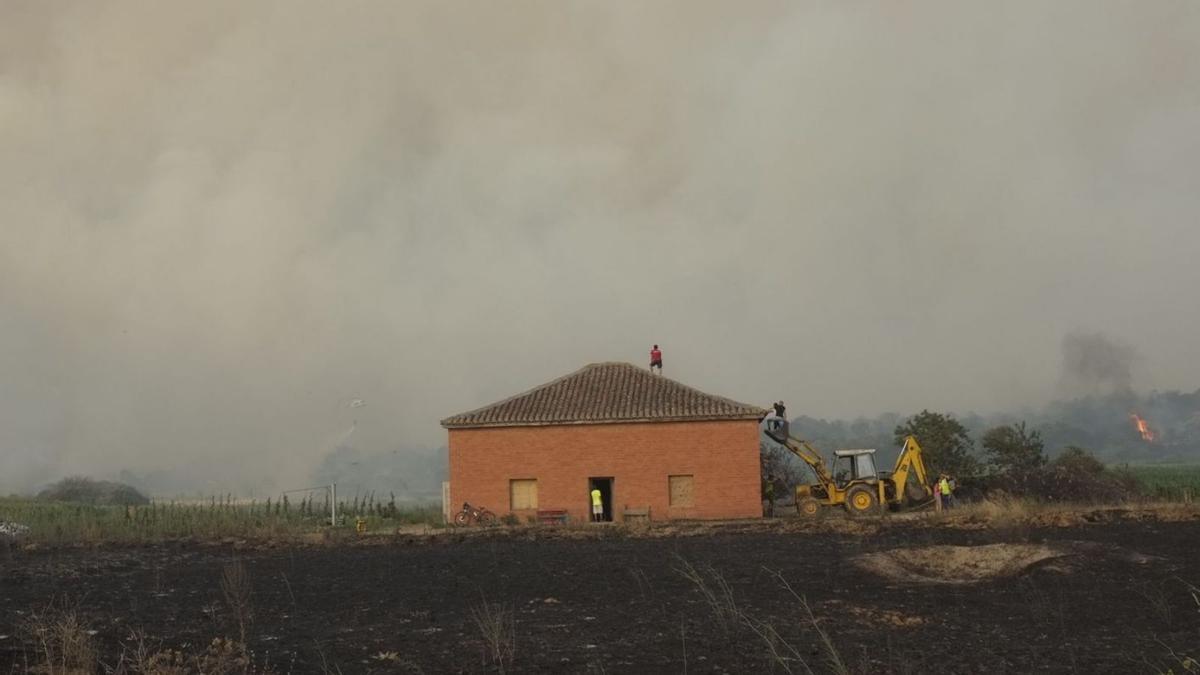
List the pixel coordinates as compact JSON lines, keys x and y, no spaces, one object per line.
{"x":523,"y":494}
{"x":681,"y":490}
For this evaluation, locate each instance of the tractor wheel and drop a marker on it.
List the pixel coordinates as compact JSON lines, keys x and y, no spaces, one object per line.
{"x":808,"y":508}
{"x":462,"y":518}
{"x":861,"y":501}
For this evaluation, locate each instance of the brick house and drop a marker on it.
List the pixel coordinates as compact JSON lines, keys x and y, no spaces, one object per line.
{"x":645,"y":441}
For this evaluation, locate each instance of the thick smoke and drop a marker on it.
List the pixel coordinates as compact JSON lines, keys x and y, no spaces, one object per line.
{"x":1098,"y":400}
{"x":1094,"y":364}
{"x":220,"y":220}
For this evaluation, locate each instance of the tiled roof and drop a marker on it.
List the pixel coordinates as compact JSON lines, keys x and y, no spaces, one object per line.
{"x":605,"y":393}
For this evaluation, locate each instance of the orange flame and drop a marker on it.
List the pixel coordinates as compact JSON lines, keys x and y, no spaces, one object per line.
{"x":1142,"y":427}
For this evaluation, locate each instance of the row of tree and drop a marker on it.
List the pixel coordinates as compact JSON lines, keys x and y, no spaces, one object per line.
{"x":949,"y":447}
{"x":1103,"y":424}
{"x":1013,"y":459}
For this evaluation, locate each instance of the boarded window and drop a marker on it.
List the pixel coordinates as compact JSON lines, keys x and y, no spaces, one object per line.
{"x":681,"y":490}
{"x":522,"y":494}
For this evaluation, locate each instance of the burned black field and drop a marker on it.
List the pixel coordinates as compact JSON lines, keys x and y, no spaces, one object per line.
{"x":1110,"y":597}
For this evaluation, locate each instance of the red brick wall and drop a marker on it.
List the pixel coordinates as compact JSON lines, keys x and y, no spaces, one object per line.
{"x":722,"y":456}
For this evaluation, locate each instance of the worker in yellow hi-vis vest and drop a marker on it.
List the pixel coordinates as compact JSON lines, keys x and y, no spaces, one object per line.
{"x":597,"y":506}
{"x":945,"y":488}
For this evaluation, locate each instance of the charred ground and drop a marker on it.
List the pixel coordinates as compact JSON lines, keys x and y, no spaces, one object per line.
{"x":1116,"y":597}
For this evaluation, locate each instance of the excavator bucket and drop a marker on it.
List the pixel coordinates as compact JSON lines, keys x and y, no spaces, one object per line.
{"x":916,"y":493}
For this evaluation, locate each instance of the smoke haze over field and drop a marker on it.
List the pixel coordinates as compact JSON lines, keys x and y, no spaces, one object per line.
{"x":222,"y":221}
{"x":1095,"y":365}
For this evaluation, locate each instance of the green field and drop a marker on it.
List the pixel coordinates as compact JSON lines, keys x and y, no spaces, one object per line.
{"x":1171,"y":482}
{"x":59,"y":522}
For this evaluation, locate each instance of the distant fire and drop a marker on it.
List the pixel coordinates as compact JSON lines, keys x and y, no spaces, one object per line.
{"x":1143,"y":428}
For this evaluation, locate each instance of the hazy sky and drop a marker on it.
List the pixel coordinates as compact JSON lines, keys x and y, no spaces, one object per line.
{"x":222,"y":221}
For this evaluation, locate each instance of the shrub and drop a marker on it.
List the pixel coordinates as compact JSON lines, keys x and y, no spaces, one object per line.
{"x":946,"y":443}
{"x":1069,"y":481}
{"x":1013,"y":448}
{"x":1078,"y":460}
{"x":83,"y":490}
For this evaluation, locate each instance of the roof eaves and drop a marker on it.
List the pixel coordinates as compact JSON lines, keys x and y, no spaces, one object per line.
{"x":446,"y":422}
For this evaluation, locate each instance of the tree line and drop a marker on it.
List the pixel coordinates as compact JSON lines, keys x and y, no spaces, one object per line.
{"x":1012,"y":457}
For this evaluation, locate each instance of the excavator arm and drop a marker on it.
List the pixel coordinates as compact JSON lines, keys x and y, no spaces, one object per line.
{"x":810,"y":456}
{"x":910,"y":475}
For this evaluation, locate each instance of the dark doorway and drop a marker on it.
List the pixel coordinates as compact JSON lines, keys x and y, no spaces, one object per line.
{"x":605,"y":486}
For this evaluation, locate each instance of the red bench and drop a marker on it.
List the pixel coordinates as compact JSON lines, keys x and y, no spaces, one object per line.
{"x":553,"y":517}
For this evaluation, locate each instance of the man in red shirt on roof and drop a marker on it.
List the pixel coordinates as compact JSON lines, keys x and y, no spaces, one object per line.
{"x":656,"y":359}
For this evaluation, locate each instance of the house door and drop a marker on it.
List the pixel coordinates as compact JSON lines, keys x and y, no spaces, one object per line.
{"x":605,"y":486}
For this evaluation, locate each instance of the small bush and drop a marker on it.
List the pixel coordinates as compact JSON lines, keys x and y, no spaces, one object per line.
{"x":1080,"y":461}
{"x":1057,"y":483}
{"x":83,"y":490}
{"x":1074,"y":476}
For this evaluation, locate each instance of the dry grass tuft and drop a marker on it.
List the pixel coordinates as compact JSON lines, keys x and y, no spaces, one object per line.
{"x":717,"y":594}
{"x":62,"y":641}
{"x":497,"y":628}
{"x":833,"y":659}
{"x":235,"y":586}
{"x":1001,"y":508}
{"x":222,"y":657}
{"x":394,"y":660}
{"x":782,"y":653}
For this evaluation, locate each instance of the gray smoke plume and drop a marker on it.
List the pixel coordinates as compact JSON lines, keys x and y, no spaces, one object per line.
{"x":1094,"y":364}
{"x":221,"y":220}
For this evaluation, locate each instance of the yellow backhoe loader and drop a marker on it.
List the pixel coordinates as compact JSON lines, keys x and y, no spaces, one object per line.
{"x":855,"y":484}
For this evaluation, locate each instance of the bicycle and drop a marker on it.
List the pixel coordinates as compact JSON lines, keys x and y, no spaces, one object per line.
{"x":470,"y":515}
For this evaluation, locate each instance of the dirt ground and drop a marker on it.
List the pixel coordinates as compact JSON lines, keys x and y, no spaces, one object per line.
{"x":898,"y":596}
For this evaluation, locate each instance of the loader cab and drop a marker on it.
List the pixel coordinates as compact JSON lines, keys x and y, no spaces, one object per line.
{"x":854,"y":465}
